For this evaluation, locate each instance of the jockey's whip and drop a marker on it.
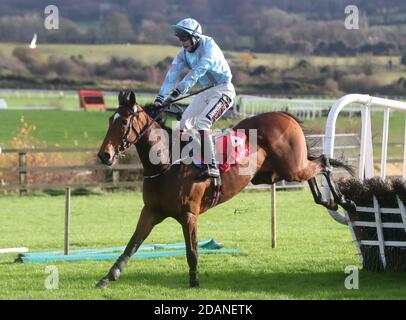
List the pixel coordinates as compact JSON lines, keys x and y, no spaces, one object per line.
{"x":181,"y":98}
{"x":192,"y":94}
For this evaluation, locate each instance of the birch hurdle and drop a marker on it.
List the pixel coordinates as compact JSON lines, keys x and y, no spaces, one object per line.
{"x":373,"y":217}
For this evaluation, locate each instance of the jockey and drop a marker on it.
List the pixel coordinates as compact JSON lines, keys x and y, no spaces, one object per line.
{"x":207,"y":65}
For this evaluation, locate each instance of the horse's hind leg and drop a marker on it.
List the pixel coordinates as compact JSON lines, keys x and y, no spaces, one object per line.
{"x":146,"y":222}
{"x":318,"y":197}
{"x":323,"y":166}
{"x":337,"y":195}
{"x":189,"y":227}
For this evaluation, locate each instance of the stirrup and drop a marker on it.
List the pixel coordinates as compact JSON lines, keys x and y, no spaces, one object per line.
{"x":211,"y":171}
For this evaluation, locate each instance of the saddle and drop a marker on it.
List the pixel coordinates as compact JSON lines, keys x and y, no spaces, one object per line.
{"x":231,"y":149}
{"x":231,"y":146}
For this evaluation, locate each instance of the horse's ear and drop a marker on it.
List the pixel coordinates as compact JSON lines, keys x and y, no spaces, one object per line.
{"x":120,"y":98}
{"x":132,"y":100}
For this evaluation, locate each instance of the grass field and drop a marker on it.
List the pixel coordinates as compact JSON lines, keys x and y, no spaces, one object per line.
{"x":56,"y":128}
{"x":151,"y":54}
{"x":61,"y":101}
{"x":308,"y":263}
{"x":147,"y":54}
{"x":287,"y":61}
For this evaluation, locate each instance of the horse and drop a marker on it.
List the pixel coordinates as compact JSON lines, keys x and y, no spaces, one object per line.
{"x":172,"y":190}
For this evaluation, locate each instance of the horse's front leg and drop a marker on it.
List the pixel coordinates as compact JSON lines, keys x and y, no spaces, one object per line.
{"x":189,"y":226}
{"x":148,"y":219}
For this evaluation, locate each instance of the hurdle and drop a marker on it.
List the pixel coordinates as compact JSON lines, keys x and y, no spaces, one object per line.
{"x":374,"y":215}
{"x":3,"y":104}
{"x":153,"y":250}
{"x":14,"y":250}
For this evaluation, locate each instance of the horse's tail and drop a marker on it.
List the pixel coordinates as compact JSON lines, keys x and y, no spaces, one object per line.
{"x":325,"y":163}
{"x":339,"y":164}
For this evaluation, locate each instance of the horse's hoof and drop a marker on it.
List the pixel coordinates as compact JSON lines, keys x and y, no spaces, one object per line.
{"x":103,"y":283}
{"x":194,"y":281}
{"x":350,"y":206}
{"x":114,"y":274}
{"x":194,"y":284}
{"x":332,"y":205}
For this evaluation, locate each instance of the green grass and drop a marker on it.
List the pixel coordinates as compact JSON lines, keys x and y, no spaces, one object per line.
{"x":308,"y":263}
{"x":147,"y":54}
{"x":36,"y":100}
{"x":151,"y":54}
{"x":275,"y":60}
{"x":62,"y":101}
{"x":386,"y":78}
{"x":54,"y":127}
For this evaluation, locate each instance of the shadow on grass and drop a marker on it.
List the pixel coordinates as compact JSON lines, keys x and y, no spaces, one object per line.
{"x":325,"y":285}
{"x":232,"y":284}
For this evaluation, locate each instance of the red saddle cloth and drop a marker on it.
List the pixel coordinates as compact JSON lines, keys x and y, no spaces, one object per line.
{"x":231,"y":150}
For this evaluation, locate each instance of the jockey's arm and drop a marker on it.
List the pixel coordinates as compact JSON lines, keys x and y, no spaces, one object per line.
{"x":171,"y":77}
{"x":205,"y":64}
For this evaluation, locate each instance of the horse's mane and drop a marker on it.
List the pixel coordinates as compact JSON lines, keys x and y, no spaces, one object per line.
{"x":148,"y":108}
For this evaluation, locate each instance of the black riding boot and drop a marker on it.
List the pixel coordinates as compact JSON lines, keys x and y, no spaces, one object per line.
{"x":211,"y":166}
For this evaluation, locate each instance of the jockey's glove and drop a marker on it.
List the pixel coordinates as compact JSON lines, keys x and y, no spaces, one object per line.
{"x":158,"y":101}
{"x":172,"y":96}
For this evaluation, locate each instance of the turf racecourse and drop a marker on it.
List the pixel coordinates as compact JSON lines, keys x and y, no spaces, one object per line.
{"x":308,"y":263}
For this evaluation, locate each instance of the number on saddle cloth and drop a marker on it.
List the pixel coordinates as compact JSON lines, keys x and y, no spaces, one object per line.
{"x":231,"y":149}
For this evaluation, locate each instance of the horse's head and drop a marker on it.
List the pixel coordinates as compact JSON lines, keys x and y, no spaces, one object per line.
{"x":125,"y":127}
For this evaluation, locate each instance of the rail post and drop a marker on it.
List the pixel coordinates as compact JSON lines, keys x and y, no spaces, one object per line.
{"x":67,"y":221}
{"x":116,"y":177}
{"x":273,"y":214}
{"x":22,"y":172}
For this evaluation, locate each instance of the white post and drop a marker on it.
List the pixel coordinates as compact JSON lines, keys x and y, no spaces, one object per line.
{"x":366,"y":161}
{"x":67,"y":221}
{"x":379,"y":231}
{"x":273,"y":214}
{"x":364,"y":117}
{"x":404,"y":154}
{"x":385,"y":142}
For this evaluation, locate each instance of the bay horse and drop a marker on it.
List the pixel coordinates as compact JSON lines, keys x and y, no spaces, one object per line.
{"x":172,"y":190}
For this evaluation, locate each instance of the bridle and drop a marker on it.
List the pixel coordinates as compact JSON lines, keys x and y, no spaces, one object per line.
{"x":125,"y":143}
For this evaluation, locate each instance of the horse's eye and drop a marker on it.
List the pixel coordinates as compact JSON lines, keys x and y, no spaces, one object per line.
{"x":125,"y":122}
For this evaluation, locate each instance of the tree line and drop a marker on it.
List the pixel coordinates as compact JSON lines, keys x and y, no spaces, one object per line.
{"x":305,"y":27}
